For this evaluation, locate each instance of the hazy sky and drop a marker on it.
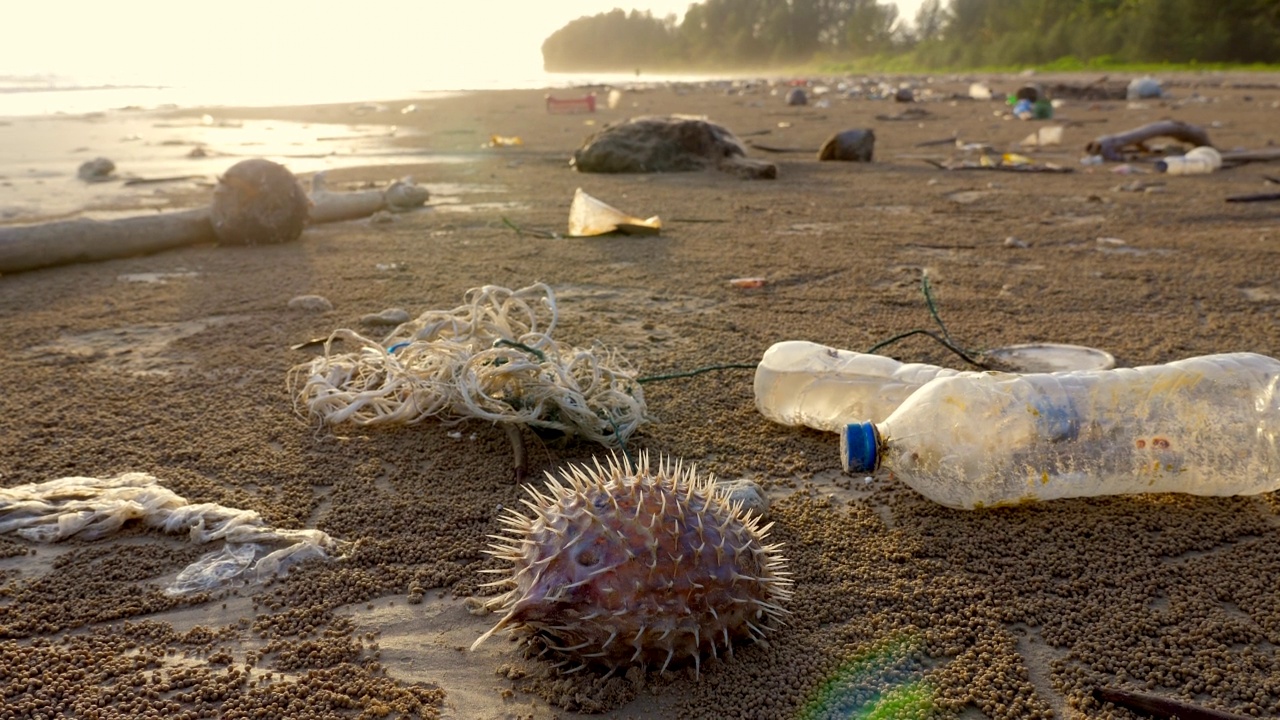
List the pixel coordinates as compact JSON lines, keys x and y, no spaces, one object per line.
{"x":177,"y":40}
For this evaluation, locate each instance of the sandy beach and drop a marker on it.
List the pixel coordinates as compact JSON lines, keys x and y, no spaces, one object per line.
{"x":175,"y":364}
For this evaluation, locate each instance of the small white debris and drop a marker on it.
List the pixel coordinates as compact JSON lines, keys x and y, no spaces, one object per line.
{"x":747,"y":492}
{"x":310,"y":303}
{"x":388,"y":317}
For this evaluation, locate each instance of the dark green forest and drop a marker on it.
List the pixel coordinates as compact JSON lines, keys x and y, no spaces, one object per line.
{"x":761,"y":34}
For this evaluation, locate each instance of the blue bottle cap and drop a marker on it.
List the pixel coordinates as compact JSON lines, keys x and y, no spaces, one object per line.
{"x":859,"y":445}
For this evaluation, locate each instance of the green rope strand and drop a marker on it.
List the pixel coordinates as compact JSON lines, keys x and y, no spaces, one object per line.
{"x":697,"y":371}
{"x":931,"y":334}
{"x":933,"y":307}
{"x":503,"y":342}
{"x":622,"y":444}
{"x":944,"y":340}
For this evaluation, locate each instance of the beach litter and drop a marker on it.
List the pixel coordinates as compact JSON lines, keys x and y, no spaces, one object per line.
{"x":911,"y":114}
{"x":1116,"y":147}
{"x":667,"y":144}
{"x":97,"y":170}
{"x":390,"y":317}
{"x":803,"y":383}
{"x":398,"y":196}
{"x":856,"y":145}
{"x":1044,"y":137}
{"x":491,"y":358}
{"x":1143,"y":88}
{"x":1011,"y":439}
{"x":1198,"y":161}
{"x":90,"y":508}
{"x":1004,"y":162}
{"x":1254,"y":197}
{"x":586,"y":103}
{"x":255,"y":202}
{"x":589,"y":217}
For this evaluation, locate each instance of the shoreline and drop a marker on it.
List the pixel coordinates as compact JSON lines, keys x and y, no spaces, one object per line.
{"x":41,"y":153}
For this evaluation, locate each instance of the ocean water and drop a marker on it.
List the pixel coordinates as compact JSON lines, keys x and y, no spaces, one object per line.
{"x":52,"y":95}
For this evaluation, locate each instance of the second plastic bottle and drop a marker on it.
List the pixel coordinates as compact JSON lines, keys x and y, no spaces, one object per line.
{"x":804,"y":383}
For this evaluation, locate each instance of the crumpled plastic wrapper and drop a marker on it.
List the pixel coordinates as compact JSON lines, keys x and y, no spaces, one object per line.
{"x":589,"y":216}
{"x":91,"y":508}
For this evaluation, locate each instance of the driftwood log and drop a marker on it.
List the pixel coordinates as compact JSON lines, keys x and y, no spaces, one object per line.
{"x":61,"y":243}
{"x":29,"y":247}
{"x":1112,"y":147}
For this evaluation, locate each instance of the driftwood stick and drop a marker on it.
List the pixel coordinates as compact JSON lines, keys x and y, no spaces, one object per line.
{"x":1161,"y":707}
{"x":329,"y":206}
{"x":1248,"y":156}
{"x":154,"y":181}
{"x":778,"y":149}
{"x":1001,"y":168}
{"x":1111,"y":147}
{"x":28,"y":247}
{"x":335,"y":206}
{"x":941,"y":141}
{"x":1259,"y":197}
{"x":520,"y":457}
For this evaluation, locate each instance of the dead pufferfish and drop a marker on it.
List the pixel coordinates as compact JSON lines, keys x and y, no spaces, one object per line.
{"x":621,"y":566}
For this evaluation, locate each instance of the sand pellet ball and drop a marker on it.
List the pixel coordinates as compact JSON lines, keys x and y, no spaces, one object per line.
{"x":619,"y":565}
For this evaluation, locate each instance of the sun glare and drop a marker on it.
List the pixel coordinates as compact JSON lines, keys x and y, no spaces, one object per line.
{"x":251,"y":41}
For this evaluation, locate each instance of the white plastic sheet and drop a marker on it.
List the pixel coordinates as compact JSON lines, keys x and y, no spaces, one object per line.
{"x":91,"y":508}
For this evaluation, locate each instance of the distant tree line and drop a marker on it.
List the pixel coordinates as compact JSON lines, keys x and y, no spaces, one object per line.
{"x":757,"y":34}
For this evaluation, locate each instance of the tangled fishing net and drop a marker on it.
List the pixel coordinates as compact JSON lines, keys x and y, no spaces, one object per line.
{"x":91,"y":508}
{"x":491,"y":358}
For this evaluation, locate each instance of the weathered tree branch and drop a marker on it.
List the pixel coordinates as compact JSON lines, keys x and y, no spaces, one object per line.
{"x":1112,"y":147}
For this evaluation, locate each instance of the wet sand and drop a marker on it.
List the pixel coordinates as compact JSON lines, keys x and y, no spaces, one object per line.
{"x":175,"y":364}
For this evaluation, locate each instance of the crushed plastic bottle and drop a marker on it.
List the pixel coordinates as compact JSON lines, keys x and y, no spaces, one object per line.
{"x":804,"y":383}
{"x":1143,"y":88}
{"x":1205,"y":426}
{"x":1199,"y":161}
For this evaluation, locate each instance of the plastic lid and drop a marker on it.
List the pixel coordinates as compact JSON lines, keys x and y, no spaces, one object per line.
{"x":859,"y":444}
